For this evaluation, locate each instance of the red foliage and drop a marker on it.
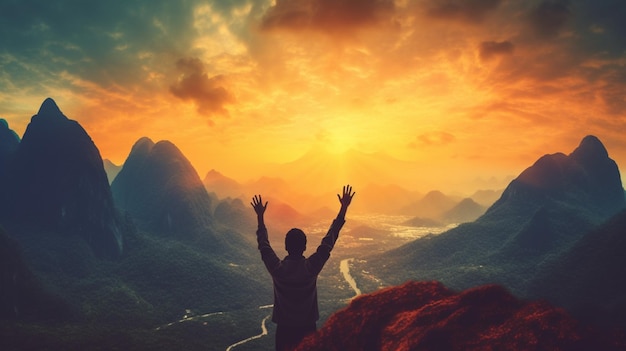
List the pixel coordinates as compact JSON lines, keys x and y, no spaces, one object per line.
{"x":428,"y":316}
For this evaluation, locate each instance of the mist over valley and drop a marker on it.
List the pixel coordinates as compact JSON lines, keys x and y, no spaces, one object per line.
{"x":150,"y":255}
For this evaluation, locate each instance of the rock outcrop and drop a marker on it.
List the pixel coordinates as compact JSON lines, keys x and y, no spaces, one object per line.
{"x":428,"y":316}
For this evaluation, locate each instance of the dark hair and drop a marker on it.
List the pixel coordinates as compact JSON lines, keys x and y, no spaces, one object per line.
{"x":295,"y":241}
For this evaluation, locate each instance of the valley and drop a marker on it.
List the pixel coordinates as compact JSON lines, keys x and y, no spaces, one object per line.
{"x":338,"y":283}
{"x":154,"y":259}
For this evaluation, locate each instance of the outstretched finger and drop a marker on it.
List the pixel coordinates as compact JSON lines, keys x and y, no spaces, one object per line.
{"x":256,"y":199}
{"x":347,"y":190}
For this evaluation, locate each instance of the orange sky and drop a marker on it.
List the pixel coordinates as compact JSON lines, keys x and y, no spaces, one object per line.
{"x":465,"y":89}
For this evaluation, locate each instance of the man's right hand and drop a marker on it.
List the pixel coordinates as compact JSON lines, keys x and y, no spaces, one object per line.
{"x":346,"y":198}
{"x":257,"y":205}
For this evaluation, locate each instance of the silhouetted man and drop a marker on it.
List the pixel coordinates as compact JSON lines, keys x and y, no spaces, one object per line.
{"x":295,"y":277}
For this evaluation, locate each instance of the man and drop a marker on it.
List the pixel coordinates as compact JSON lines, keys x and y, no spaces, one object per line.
{"x":295,"y":277}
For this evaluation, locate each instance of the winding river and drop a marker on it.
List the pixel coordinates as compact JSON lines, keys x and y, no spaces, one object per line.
{"x":344,"y":268}
{"x":263,"y":333}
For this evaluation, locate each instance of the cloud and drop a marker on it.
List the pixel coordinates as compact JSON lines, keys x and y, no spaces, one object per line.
{"x":326,"y":15}
{"x":490,"y":49}
{"x":432,"y":139}
{"x":549,"y":17}
{"x":208,"y":93}
{"x":469,"y":11}
{"x":99,"y":42}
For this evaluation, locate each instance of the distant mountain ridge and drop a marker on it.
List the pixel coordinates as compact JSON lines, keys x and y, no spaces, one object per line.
{"x":545,"y":211}
{"x":221,"y":185}
{"x":466,"y":210}
{"x":57,"y":181}
{"x":319,"y":170}
{"x":432,"y":205}
{"x":111,"y":169}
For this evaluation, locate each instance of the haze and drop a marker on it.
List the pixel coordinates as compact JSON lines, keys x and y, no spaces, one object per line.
{"x":462,"y":91}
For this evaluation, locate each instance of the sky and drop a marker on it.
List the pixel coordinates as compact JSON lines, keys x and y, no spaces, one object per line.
{"x":463,"y":88}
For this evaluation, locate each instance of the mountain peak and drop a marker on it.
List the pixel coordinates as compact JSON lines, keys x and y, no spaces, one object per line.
{"x":49,"y":109}
{"x":9,"y":136}
{"x":587,"y":177}
{"x":590,"y":148}
{"x":141,"y":148}
{"x":159,"y":187}
{"x":58,"y":183}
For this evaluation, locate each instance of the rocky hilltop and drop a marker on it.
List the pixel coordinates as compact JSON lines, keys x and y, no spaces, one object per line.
{"x":428,"y":316}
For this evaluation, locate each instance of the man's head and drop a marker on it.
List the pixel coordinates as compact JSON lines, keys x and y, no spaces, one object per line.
{"x":295,"y":241}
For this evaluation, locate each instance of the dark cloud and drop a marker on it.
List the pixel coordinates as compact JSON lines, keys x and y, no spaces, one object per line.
{"x":326,"y":15}
{"x":490,"y":49}
{"x":208,"y":93}
{"x":602,"y":25}
{"x":99,"y":41}
{"x":549,"y":17}
{"x":471,"y":11}
{"x":433,"y":139}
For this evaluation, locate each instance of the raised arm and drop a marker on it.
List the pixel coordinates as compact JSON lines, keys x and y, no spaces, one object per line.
{"x":345,"y":199}
{"x":319,"y":258}
{"x":267,"y":253}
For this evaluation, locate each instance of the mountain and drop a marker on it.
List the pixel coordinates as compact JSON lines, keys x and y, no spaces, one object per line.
{"x":111,"y":169}
{"x":385,"y":199}
{"x":271,"y":186}
{"x":234,"y":214}
{"x":280,"y":217}
{"x":465,"y":211}
{"x":546,"y":210}
{"x":486,"y":197}
{"x":432,"y":205}
{"x":161,"y":190}
{"x":428,"y":316}
{"x":9,"y":141}
{"x":422,"y":222}
{"x":57,"y":182}
{"x":588,"y":278}
{"x":319,"y":171}
{"x":587,"y":178}
{"x":221,"y":185}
